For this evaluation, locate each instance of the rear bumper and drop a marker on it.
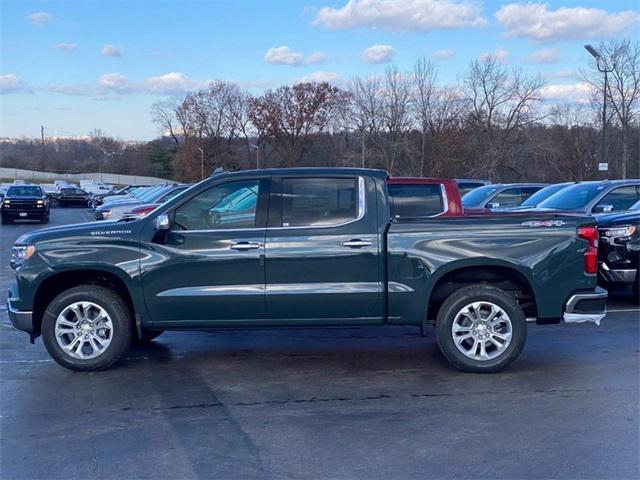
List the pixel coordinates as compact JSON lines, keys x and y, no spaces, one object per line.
{"x":586,"y":307}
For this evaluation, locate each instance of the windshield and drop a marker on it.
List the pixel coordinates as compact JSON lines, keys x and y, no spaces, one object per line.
{"x":146,"y":193}
{"x":474,"y":197}
{"x":158,"y":193}
{"x":574,"y":197}
{"x":543,"y":194}
{"x":171,"y":194}
{"x":24,"y":191}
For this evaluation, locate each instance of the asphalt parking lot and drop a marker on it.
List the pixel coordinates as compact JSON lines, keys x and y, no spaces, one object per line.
{"x":322,"y":403}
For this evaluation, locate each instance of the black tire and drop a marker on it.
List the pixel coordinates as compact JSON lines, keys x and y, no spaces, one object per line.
{"x":480,"y":293}
{"x":54,"y":203}
{"x":120,"y":318}
{"x":148,"y":336}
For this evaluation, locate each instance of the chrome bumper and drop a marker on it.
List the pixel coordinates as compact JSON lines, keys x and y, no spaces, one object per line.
{"x":586,"y":307}
{"x":617,"y":275}
{"x":20,"y":320}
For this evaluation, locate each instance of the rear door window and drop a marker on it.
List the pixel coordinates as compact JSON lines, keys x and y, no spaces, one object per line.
{"x":317,"y":202}
{"x":415,"y":200}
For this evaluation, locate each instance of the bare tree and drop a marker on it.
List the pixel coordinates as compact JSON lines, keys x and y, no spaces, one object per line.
{"x":290,"y":117}
{"x":163,"y":114}
{"x":396,"y":115}
{"x":623,"y":92}
{"x":363,"y":114}
{"x":425,"y":78}
{"x":501,"y":103}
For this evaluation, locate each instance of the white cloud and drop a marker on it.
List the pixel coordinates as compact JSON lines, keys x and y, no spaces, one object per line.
{"x":172,"y":83}
{"x":284,"y":56}
{"x":66,"y":47}
{"x":570,"y":92}
{"x":39,"y":18}
{"x":116,"y":83}
{"x":378,"y":54}
{"x":12,"y":83}
{"x":320,"y":76}
{"x":444,"y":54}
{"x":316,"y":58}
{"x":500,"y":54}
{"x":402,"y":15}
{"x":111,"y":50}
{"x":545,"y":55}
{"x":536,"y":21}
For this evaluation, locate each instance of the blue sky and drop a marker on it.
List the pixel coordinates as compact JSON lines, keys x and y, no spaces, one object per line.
{"x":78,"y":65}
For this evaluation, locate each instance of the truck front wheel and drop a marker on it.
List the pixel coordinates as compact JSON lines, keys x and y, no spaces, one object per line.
{"x":87,"y":328}
{"x":481,"y":329}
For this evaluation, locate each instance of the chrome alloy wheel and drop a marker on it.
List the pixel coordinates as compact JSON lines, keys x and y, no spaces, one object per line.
{"x":84,"y":330}
{"x":482,"y":330}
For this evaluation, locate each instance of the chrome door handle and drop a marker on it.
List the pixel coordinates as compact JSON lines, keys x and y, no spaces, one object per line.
{"x":244,"y":246}
{"x":357,"y":243}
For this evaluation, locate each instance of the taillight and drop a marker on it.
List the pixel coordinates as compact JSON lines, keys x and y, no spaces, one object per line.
{"x":590,"y":234}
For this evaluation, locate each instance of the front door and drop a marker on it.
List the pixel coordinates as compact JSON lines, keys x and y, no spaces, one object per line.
{"x":323,"y":252}
{"x":209,"y":268}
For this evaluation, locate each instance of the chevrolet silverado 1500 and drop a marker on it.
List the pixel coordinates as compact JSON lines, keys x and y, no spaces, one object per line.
{"x":303,"y":247}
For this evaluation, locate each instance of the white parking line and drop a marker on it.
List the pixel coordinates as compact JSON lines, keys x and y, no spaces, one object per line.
{"x":621,"y":310}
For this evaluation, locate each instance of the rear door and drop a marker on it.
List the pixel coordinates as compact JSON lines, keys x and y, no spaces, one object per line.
{"x":323,"y":251}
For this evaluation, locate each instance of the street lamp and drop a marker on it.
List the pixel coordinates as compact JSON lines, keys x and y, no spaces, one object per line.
{"x":603,"y":67}
{"x":257,"y":149}
{"x":201,"y":163}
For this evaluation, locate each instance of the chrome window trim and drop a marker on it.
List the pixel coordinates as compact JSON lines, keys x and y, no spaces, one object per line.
{"x":445,"y":201}
{"x":362,"y":208}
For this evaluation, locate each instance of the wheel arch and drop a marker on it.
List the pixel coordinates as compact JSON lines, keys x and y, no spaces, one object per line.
{"x":500,"y":273}
{"x":60,"y":281}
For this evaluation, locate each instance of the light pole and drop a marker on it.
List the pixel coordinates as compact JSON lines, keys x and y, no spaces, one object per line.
{"x":603,"y":67}
{"x":201,"y":163}
{"x":257,"y":149}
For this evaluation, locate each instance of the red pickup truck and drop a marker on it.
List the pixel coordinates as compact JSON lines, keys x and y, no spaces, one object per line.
{"x":424,"y":197}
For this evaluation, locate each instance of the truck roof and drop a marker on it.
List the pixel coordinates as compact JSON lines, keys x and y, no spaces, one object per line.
{"x":383,"y":174}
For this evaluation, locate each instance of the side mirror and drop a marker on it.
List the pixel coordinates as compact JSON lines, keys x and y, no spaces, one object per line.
{"x":492,"y":205}
{"x":603,"y":209}
{"x":163,"y":223}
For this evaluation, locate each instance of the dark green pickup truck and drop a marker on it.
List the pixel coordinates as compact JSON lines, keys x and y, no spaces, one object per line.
{"x":303,"y":247}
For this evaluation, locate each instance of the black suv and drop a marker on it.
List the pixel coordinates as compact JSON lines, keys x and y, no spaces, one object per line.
{"x":70,"y":197}
{"x":25,"y":202}
{"x":618,"y":262}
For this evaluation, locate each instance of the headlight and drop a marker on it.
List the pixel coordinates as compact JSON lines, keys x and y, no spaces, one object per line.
{"x":7,"y":201}
{"x":620,"y":231}
{"x":40,"y":202}
{"x":107,"y":214}
{"x":20,"y":254}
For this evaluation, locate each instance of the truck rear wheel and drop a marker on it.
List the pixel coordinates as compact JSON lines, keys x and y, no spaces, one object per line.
{"x":87,"y":328}
{"x":481,"y":329}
